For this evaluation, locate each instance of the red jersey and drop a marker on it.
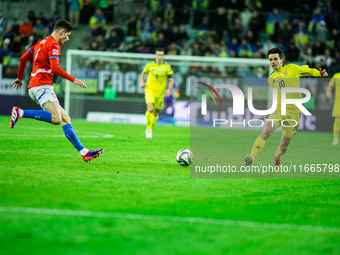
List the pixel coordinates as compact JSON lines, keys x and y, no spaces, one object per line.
{"x":45,"y":56}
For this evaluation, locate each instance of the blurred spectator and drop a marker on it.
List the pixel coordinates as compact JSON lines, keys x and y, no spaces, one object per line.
{"x":94,"y":45}
{"x":95,"y":30}
{"x":315,"y":20}
{"x":268,"y":45}
{"x":55,"y":18}
{"x":253,"y":4}
{"x":169,"y":15}
{"x":175,"y":36}
{"x":334,"y":39}
{"x":204,"y":27}
{"x":146,"y":27}
{"x":301,"y":35}
{"x":245,"y":17}
{"x":318,"y":48}
{"x":31,"y":16}
{"x":225,"y":36}
{"x":5,"y":52}
{"x":251,"y":39}
{"x":292,"y":53}
{"x":333,"y":67}
{"x":166,"y":32}
{"x":131,"y":25}
{"x":186,"y":50}
{"x":255,"y":24}
{"x":113,"y":41}
{"x":8,"y":33}
{"x":220,"y":20}
{"x":161,"y":42}
{"x":196,"y":51}
{"x":17,"y":46}
{"x":74,"y":7}
{"x":156,"y":8}
{"x":15,"y":26}
{"x":98,"y":19}
{"x":119,"y":31}
{"x":46,"y":32}
{"x":237,"y":31}
{"x":39,"y":27}
{"x":274,"y":22}
{"x":285,"y":33}
{"x":184,"y":16}
{"x":26,"y":28}
{"x":173,"y":49}
{"x":183,"y":36}
{"x":43,"y":19}
{"x":322,"y":33}
{"x":234,"y":46}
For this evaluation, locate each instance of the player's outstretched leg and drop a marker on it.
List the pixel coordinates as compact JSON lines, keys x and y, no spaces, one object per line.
{"x":16,"y":115}
{"x":277,"y":160}
{"x":248,"y":160}
{"x":91,"y":154}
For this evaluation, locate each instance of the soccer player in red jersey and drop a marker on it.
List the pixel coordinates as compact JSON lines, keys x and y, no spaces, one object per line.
{"x":45,"y":55}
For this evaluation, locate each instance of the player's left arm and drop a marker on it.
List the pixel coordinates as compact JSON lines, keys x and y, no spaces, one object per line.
{"x":171,"y":84}
{"x":329,"y":88}
{"x":170,"y":74}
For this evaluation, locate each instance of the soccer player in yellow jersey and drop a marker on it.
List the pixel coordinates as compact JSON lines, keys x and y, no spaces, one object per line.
{"x":335,"y":82}
{"x":159,"y":74}
{"x":283,"y":76}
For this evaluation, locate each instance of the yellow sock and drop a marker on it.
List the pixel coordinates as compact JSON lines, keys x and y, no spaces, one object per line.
{"x":154,"y":120}
{"x":336,"y":128}
{"x":149,"y":118}
{"x":280,"y":152}
{"x":258,"y":145}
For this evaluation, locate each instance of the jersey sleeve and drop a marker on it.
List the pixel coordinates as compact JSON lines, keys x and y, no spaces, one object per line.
{"x":23,"y":61}
{"x":334,"y":79}
{"x":169,"y":72}
{"x":146,"y":68}
{"x":306,"y":71}
{"x":54,"y":52}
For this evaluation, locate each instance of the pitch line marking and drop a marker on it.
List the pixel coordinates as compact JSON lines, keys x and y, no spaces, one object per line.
{"x":94,"y":214}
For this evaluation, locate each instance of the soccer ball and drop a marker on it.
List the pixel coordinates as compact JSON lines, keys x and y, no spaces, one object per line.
{"x":184,"y":157}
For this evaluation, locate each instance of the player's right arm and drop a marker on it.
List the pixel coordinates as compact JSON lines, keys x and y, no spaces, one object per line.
{"x":22,"y":65}
{"x":142,"y":80}
{"x":329,"y":88}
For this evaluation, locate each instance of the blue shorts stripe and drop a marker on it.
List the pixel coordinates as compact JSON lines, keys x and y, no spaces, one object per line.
{"x":42,"y":94}
{"x":54,"y":57}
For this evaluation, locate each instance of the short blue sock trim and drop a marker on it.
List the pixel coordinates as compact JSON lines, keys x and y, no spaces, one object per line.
{"x":38,"y":115}
{"x":72,"y":137}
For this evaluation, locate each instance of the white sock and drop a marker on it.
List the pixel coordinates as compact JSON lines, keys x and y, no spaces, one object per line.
{"x":21,"y":112}
{"x":83,"y":151}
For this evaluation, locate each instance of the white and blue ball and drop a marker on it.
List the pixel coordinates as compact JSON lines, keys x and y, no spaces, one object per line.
{"x":184,"y":157}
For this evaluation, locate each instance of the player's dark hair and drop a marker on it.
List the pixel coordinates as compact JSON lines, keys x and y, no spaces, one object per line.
{"x":274,"y":51}
{"x":160,"y":49}
{"x":63,"y":24}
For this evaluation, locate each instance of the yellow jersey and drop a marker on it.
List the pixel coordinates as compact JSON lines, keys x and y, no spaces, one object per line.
{"x":158,"y":77}
{"x":335,"y":82}
{"x":288,"y":77}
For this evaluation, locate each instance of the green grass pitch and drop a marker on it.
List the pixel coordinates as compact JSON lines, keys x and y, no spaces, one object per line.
{"x":136,"y":199}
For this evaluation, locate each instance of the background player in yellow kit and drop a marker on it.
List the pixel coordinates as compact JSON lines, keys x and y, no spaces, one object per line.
{"x":283,"y":76}
{"x":159,"y":72}
{"x":335,"y":82}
